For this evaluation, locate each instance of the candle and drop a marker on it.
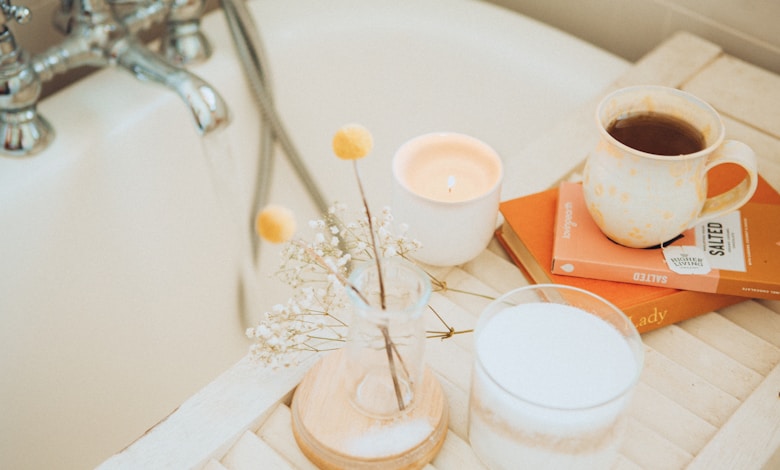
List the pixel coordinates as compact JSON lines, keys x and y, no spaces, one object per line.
{"x":447,"y":189}
{"x":551,"y":380}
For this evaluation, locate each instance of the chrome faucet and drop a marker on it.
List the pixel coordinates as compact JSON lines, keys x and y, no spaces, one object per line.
{"x":97,"y":34}
{"x":23,"y":131}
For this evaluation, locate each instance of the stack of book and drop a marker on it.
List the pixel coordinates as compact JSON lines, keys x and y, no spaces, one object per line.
{"x":552,"y":238}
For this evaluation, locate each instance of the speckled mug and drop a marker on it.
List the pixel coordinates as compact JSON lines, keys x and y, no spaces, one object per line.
{"x":641,"y":200}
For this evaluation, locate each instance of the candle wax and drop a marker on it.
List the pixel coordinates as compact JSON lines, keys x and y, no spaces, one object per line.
{"x":451,"y":176}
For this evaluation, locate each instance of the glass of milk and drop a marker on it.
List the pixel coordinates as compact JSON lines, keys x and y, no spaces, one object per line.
{"x":554,"y":370}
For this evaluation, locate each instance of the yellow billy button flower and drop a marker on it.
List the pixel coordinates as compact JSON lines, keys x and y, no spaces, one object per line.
{"x":352,"y":142}
{"x":275,"y":223}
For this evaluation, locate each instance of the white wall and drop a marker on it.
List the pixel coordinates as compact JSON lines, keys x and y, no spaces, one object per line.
{"x":747,"y":29}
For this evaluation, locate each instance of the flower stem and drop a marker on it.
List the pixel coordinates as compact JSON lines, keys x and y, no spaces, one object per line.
{"x":373,"y":237}
{"x":391,"y":363}
{"x":389,"y":346}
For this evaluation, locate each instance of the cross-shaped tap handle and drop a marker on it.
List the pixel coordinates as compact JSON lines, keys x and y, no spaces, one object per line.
{"x":20,"y":14}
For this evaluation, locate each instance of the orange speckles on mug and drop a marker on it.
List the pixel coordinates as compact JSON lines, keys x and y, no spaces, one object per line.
{"x":707,"y":133}
{"x":595,"y":212}
{"x":668,"y":215}
{"x":679,"y":169}
{"x":602,"y":146}
{"x":625,"y":198}
{"x":636,"y":233}
{"x":610,"y":150}
{"x":598,"y":190}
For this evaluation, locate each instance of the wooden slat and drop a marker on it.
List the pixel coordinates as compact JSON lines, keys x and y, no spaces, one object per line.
{"x":680,"y":59}
{"x":208,"y":424}
{"x":752,"y":432}
{"x":651,"y":451}
{"x":276,"y":431}
{"x":251,"y":453}
{"x":496,"y":271}
{"x":774,"y":461}
{"x":670,"y":420}
{"x":773,"y":305}
{"x":740,"y":90}
{"x":702,"y":359}
{"x":450,"y":360}
{"x":623,"y":463}
{"x":757,"y":319}
{"x":458,"y":279}
{"x":214,"y":465}
{"x":734,"y":341}
{"x":687,"y":389}
{"x":458,"y":406}
{"x":765,"y":146}
{"x":457,"y":453}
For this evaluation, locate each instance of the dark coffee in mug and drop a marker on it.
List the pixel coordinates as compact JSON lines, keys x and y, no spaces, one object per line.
{"x":658,"y":134}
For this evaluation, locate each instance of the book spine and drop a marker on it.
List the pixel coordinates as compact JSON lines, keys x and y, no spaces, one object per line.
{"x":712,"y":283}
{"x":763,"y":290}
{"x":609,"y":272}
{"x":675,"y":308}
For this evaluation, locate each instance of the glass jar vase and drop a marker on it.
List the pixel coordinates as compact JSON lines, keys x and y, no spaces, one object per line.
{"x":384,"y":356}
{"x":373,"y":404}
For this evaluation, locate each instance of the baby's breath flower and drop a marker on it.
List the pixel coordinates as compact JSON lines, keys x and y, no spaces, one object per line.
{"x":352,"y":142}
{"x":313,"y":319}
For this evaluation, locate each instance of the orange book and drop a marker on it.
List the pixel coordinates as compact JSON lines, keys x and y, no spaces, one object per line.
{"x":527,"y":236}
{"x":735,"y":254}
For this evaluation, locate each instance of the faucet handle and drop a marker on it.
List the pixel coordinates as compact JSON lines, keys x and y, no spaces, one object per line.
{"x":183,"y":42}
{"x":20,"y":14}
{"x":22,"y":130}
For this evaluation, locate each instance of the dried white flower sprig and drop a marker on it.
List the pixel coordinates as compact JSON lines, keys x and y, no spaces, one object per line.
{"x":314,"y":319}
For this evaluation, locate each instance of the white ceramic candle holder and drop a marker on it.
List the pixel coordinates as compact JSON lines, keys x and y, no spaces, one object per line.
{"x":447,"y":189}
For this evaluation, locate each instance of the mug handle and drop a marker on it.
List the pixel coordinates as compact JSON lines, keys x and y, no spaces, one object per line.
{"x":731,"y":151}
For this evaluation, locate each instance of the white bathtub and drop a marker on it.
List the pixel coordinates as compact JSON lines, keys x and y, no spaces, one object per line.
{"x":118,"y":263}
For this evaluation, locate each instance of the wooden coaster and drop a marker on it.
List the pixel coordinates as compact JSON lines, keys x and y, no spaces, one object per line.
{"x":333,"y":434}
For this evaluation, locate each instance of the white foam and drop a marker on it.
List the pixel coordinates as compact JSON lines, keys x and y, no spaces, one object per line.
{"x":556,"y":355}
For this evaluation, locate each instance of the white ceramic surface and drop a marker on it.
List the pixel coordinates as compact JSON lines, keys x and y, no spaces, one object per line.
{"x":118,"y":264}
